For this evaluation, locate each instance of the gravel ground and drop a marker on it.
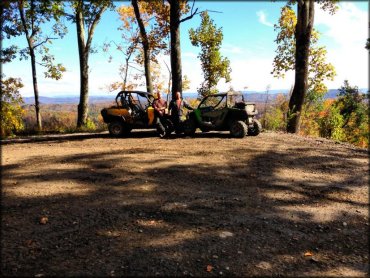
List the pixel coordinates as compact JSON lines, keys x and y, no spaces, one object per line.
{"x":271,"y":205}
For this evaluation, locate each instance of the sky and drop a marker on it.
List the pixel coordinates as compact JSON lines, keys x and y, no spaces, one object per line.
{"x":248,"y":42}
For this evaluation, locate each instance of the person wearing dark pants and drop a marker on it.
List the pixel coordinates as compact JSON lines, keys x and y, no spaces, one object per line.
{"x":176,"y":109}
{"x":160,"y":106}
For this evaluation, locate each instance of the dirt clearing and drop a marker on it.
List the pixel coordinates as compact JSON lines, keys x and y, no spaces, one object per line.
{"x":275,"y":204}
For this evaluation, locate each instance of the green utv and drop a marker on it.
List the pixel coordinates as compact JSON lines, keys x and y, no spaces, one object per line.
{"x":224,"y":111}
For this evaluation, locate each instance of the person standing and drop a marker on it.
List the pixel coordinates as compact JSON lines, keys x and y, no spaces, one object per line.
{"x":160,"y":106}
{"x":176,"y":109}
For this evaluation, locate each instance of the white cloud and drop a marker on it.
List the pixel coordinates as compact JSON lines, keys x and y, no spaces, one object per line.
{"x":231,"y":49}
{"x":189,"y":55}
{"x":255,"y":74}
{"x":347,"y":30}
{"x":262,"y":18}
{"x":347,"y":26}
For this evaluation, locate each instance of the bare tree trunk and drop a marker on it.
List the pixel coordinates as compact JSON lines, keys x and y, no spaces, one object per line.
{"x":84,"y":51}
{"x":35,"y":89}
{"x":34,"y":75}
{"x":84,"y":71}
{"x":145,"y":43}
{"x":305,"y":20}
{"x":176,"y":67}
{"x":33,"y":60}
{"x":126,"y":73}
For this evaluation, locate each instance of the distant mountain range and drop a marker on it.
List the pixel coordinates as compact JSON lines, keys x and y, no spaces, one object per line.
{"x":67,"y":99}
{"x":254,"y":96}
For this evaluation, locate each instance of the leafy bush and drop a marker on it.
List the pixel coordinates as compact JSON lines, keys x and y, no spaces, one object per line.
{"x":11,"y":110}
{"x":330,"y":124}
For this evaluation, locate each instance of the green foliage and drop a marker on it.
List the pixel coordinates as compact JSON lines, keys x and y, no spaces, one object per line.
{"x":214,"y":66}
{"x":350,"y":102}
{"x":346,"y":118}
{"x":10,"y":104}
{"x":90,"y":124}
{"x":275,"y":119}
{"x":276,"y":116}
{"x":8,"y":54}
{"x":28,"y":18}
{"x":331,"y":124}
{"x":353,"y":107}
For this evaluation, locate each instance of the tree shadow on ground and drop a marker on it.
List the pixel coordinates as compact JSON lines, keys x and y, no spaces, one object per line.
{"x":115,"y":213}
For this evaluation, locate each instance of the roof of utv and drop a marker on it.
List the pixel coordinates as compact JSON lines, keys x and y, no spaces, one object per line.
{"x":230,"y":93}
{"x":142,"y":93}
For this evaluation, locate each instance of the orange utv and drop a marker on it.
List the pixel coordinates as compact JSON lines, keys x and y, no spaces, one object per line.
{"x":133,"y":110}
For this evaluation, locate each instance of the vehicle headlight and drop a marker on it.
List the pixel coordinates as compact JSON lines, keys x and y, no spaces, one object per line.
{"x":250,"y":108}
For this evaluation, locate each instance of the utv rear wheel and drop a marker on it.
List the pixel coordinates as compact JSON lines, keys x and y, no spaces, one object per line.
{"x":118,"y":129}
{"x":189,"y":127}
{"x":238,"y":129}
{"x":256,"y":129}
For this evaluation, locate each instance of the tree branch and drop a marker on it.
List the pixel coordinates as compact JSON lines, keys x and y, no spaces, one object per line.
{"x":23,"y":19}
{"x":44,"y":41}
{"x":190,"y":16}
{"x":93,"y":26}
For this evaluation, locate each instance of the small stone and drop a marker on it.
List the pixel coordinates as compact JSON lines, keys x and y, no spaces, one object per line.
{"x":345,"y":224}
{"x":313,"y":259}
{"x":44,"y":220}
{"x":215,"y":256}
{"x":227,"y":268}
{"x":140,"y":231}
{"x":226,"y":234}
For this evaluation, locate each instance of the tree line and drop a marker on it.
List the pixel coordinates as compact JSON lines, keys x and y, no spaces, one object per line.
{"x":153,"y":27}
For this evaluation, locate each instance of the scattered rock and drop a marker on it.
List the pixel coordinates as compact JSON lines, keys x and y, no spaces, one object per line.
{"x":44,"y":220}
{"x":225,"y":234}
{"x":264,"y":265}
{"x":314,"y":259}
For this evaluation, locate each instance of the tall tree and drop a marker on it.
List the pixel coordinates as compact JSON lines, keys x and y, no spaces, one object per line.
{"x":303,"y":32}
{"x":214,"y":66}
{"x":153,"y":22}
{"x":86,"y":15}
{"x":177,"y":8}
{"x":145,"y":24}
{"x":28,"y":18}
{"x":145,"y":43}
{"x":318,"y":69}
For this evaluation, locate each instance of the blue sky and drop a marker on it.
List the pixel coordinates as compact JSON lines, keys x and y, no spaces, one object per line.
{"x":248,"y":44}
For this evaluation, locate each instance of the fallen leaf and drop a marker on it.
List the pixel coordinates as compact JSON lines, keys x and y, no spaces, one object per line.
{"x":308,"y":254}
{"x":44,"y":220}
{"x":209,"y":268}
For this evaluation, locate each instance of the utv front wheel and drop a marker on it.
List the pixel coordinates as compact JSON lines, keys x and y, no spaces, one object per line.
{"x":256,"y":129}
{"x":189,"y":127}
{"x":117,"y":129}
{"x":238,"y":129}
